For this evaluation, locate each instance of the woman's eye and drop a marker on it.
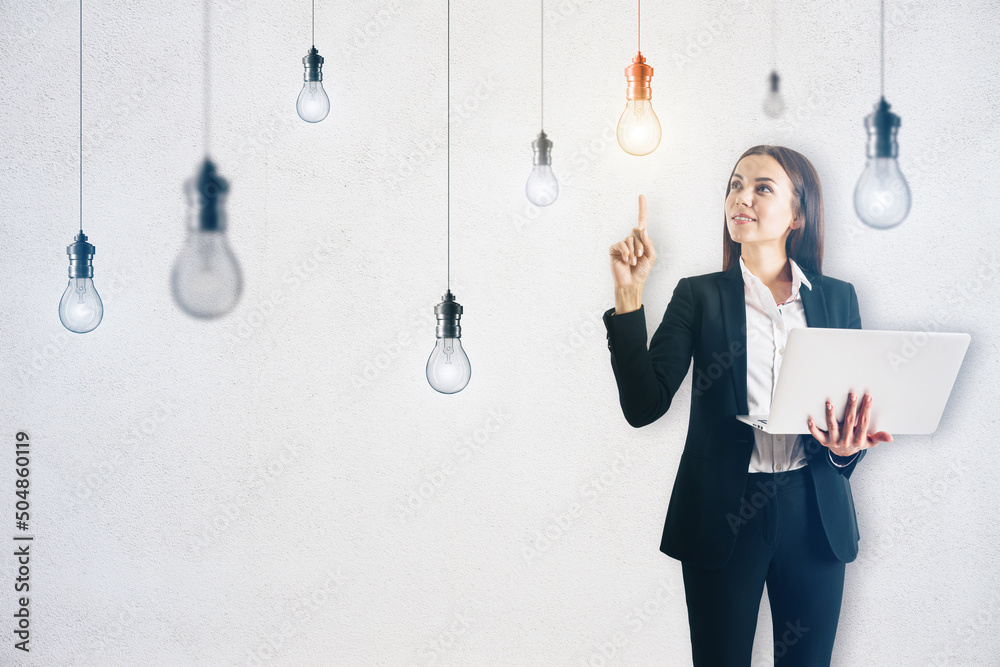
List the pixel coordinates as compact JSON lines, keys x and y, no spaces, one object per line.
{"x":736,"y":184}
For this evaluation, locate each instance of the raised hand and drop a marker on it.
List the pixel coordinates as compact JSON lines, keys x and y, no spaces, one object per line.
{"x":633,"y":258}
{"x":851,"y":435}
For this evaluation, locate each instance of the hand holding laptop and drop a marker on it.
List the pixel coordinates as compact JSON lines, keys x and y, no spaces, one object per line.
{"x":851,"y":435}
{"x":913,"y":373}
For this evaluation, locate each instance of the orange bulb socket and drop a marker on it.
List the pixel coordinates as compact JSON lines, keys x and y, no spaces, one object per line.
{"x":639,"y":75}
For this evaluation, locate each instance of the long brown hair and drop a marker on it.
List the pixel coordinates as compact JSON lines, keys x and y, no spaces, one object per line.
{"x":805,"y":244}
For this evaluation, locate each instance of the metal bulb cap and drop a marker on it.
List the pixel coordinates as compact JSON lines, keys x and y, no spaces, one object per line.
{"x":206,"y":195}
{"x":543,"y":149}
{"x":449,"y":314}
{"x":639,"y":75}
{"x":81,"y":255}
{"x":882,"y":125}
{"x":313,"y":63}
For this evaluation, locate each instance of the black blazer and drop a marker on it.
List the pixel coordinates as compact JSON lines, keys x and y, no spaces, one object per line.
{"x":706,"y":319}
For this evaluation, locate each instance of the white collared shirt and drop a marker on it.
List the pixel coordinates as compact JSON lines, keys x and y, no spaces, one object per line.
{"x":768,"y":325}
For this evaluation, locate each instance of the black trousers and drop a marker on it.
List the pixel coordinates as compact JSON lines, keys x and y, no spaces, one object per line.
{"x":780,"y":542}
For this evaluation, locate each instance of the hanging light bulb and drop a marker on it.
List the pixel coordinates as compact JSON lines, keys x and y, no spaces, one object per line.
{"x":882,"y":197}
{"x":80,"y":309}
{"x":206,"y":280}
{"x":448,"y":368}
{"x":639,"y":129}
{"x":313,"y":104}
{"x":542,"y":188}
{"x":774,"y":106}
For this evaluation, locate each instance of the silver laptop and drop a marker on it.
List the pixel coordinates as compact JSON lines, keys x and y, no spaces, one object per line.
{"x":909,"y":374}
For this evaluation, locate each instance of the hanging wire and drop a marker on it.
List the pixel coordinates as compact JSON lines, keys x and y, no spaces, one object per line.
{"x":314,"y":24}
{"x":542,"y":3}
{"x":881,"y":54}
{"x":639,"y":29}
{"x":774,"y":36}
{"x":81,"y":116}
{"x":448,"y":116}
{"x":207,"y":92}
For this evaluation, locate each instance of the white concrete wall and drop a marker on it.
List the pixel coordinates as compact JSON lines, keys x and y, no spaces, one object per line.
{"x":232,"y":492}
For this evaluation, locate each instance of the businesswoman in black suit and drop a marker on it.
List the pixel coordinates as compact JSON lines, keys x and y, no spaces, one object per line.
{"x":748,"y":507}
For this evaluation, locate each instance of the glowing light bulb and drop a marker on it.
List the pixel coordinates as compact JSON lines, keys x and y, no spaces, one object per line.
{"x":206,"y":280}
{"x":313,"y":104}
{"x":448,"y":368}
{"x":774,"y":106}
{"x":542,"y":188}
{"x":882,"y":196}
{"x":639,"y":129}
{"x":80,"y":308}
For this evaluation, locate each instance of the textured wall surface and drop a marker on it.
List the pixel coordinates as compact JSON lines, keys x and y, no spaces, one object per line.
{"x":282,"y":487}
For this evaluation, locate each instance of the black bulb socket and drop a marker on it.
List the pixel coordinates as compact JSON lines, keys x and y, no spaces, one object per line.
{"x":543,"y":149}
{"x":882,"y":126}
{"x":313,"y":62}
{"x":81,"y":255}
{"x":206,"y":195}
{"x":449,"y":314}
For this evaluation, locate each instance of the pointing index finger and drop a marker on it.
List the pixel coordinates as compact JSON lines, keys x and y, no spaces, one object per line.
{"x":642,"y":212}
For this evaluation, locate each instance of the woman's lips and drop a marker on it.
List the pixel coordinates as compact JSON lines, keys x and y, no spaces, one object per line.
{"x":741,"y":221}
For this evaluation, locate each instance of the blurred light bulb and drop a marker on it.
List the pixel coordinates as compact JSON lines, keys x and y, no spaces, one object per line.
{"x":206,"y":280}
{"x":80,"y":308}
{"x":542,"y":188}
{"x":882,"y":196}
{"x":774,"y":106}
{"x":313,"y":104}
{"x":448,"y":368}
{"x":639,"y":129}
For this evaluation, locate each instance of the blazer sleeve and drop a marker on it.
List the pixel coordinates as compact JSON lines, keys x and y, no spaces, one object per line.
{"x":853,"y":322}
{"x":648,"y":379}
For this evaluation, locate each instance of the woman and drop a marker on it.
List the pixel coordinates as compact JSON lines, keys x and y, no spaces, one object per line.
{"x":748,"y":507}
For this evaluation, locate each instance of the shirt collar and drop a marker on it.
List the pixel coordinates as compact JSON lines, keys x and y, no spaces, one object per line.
{"x":798,"y":276}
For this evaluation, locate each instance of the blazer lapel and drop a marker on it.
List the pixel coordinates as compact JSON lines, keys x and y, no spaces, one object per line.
{"x":734,"y":315}
{"x":813,"y":301}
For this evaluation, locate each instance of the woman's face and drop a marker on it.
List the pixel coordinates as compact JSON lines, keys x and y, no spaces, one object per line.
{"x":759,"y":205}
